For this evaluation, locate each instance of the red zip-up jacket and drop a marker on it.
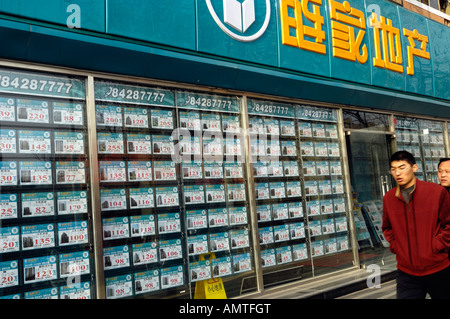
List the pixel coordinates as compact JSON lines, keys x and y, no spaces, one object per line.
{"x":419,"y":231}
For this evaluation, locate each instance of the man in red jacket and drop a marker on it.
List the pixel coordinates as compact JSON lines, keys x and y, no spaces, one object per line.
{"x":416,"y":223}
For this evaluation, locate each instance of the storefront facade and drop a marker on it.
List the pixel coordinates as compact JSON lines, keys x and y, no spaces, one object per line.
{"x":174,"y":150}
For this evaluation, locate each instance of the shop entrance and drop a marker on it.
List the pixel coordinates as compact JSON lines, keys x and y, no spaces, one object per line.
{"x":368,"y":149}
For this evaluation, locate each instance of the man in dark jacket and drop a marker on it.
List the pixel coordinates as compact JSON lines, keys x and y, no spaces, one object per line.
{"x":444,"y":173}
{"x":416,"y":223}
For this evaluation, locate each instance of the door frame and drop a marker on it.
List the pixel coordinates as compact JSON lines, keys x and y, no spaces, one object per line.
{"x":390,"y":133}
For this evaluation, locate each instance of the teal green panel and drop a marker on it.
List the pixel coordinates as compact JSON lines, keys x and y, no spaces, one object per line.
{"x":440,"y":55}
{"x":352,"y":70}
{"x":164,"y":22}
{"x":226,"y":28}
{"x":89,"y":13}
{"x":382,"y":76}
{"x":421,"y":81}
{"x":296,"y":57}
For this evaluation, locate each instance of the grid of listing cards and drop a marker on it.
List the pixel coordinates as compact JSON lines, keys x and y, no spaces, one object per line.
{"x":321,"y":165}
{"x":172,"y":192}
{"x":425,"y":140}
{"x":299,"y":189}
{"x":45,"y":234}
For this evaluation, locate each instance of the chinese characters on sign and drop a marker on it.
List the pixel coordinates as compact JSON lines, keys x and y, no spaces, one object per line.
{"x":348,"y":29}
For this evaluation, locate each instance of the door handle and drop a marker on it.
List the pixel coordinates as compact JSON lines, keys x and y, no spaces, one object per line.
{"x":384,"y":184}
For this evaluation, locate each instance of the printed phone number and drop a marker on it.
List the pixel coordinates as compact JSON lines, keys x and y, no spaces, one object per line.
{"x":208,"y":102}
{"x":316,"y":114}
{"x":35,"y":85}
{"x":135,"y":95}
{"x":270,"y":109}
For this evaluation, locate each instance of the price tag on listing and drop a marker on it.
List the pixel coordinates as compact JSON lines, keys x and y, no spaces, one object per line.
{"x":300,"y":252}
{"x":163,"y":144}
{"x":71,"y":233}
{"x":139,"y":143}
{"x":139,"y":171}
{"x":172,"y":277}
{"x":35,"y":173}
{"x":7,"y":109}
{"x":34,"y":142}
{"x":241,"y":263}
{"x":65,"y":113}
{"x":135,"y":117}
{"x":297,"y":230}
{"x":118,"y":286}
{"x":112,"y":171}
{"x":232,"y":146}
{"x":217,"y":217}
{"x":146,"y":282}
{"x":236,"y":192}
{"x":281,"y":233}
{"x":141,"y":198}
{"x":164,"y":170}
{"x":145,"y":253}
{"x":7,"y":141}
{"x":70,"y":173}
{"x":197,"y":245}
{"x":72,"y":202}
{"x":221,"y":266}
{"x":38,"y":236}
{"x":284,"y":255}
{"x":39,"y":269}
{"x":76,"y":291}
{"x":69,"y":142}
{"x":113,"y":199}
{"x":161,"y":119}
{"x":219,"y":242}
{"x":233,"y":170}
{"x":116,"y":257}
{"x":37,"y":204}
{"x":196,"y":219}
{"x":108,"y":115}
{"x":212,"y":145}
{"x":215,"y":193}
{"x":238,"y":215}
{"x":213,"y":170}
{"x":9,"y":239}
{"x":9,"y":274}
{"x":32,"y":111}
{"x":167,"y":196}
{"x":74,"y":264}
{"x":192,"y":170}
{"x":8,"y":206}
{"x":170,"y":249}
{"x":193,"y":194}
{"x":190,"y":120}
{"x":169,"y":223}
{"x":110,"y":143}
{"x":268,"y":258}
{"x":142,"y":225}
{"x":287,"y":128}
{"x":200,"y":270}
{"x":230,"y":123}
{"x":115,"y":228}
{"x":239,"y":238}
{"x":211,"y":122}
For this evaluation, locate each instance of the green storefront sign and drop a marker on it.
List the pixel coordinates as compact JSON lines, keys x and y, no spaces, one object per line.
{"x":371,"y":43}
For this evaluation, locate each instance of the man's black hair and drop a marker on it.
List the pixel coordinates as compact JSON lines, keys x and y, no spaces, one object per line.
{"x":444,"y":159}
{"x":403,"y":156}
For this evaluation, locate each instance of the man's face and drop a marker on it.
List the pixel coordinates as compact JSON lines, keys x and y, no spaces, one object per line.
{"x":444,"y":174}
{"x":403,"y":173}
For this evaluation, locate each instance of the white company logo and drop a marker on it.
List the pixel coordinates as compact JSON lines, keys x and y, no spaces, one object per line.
{"x":240,"y":16}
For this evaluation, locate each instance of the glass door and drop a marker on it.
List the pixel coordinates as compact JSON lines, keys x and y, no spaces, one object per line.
{"x":369,"y":149}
